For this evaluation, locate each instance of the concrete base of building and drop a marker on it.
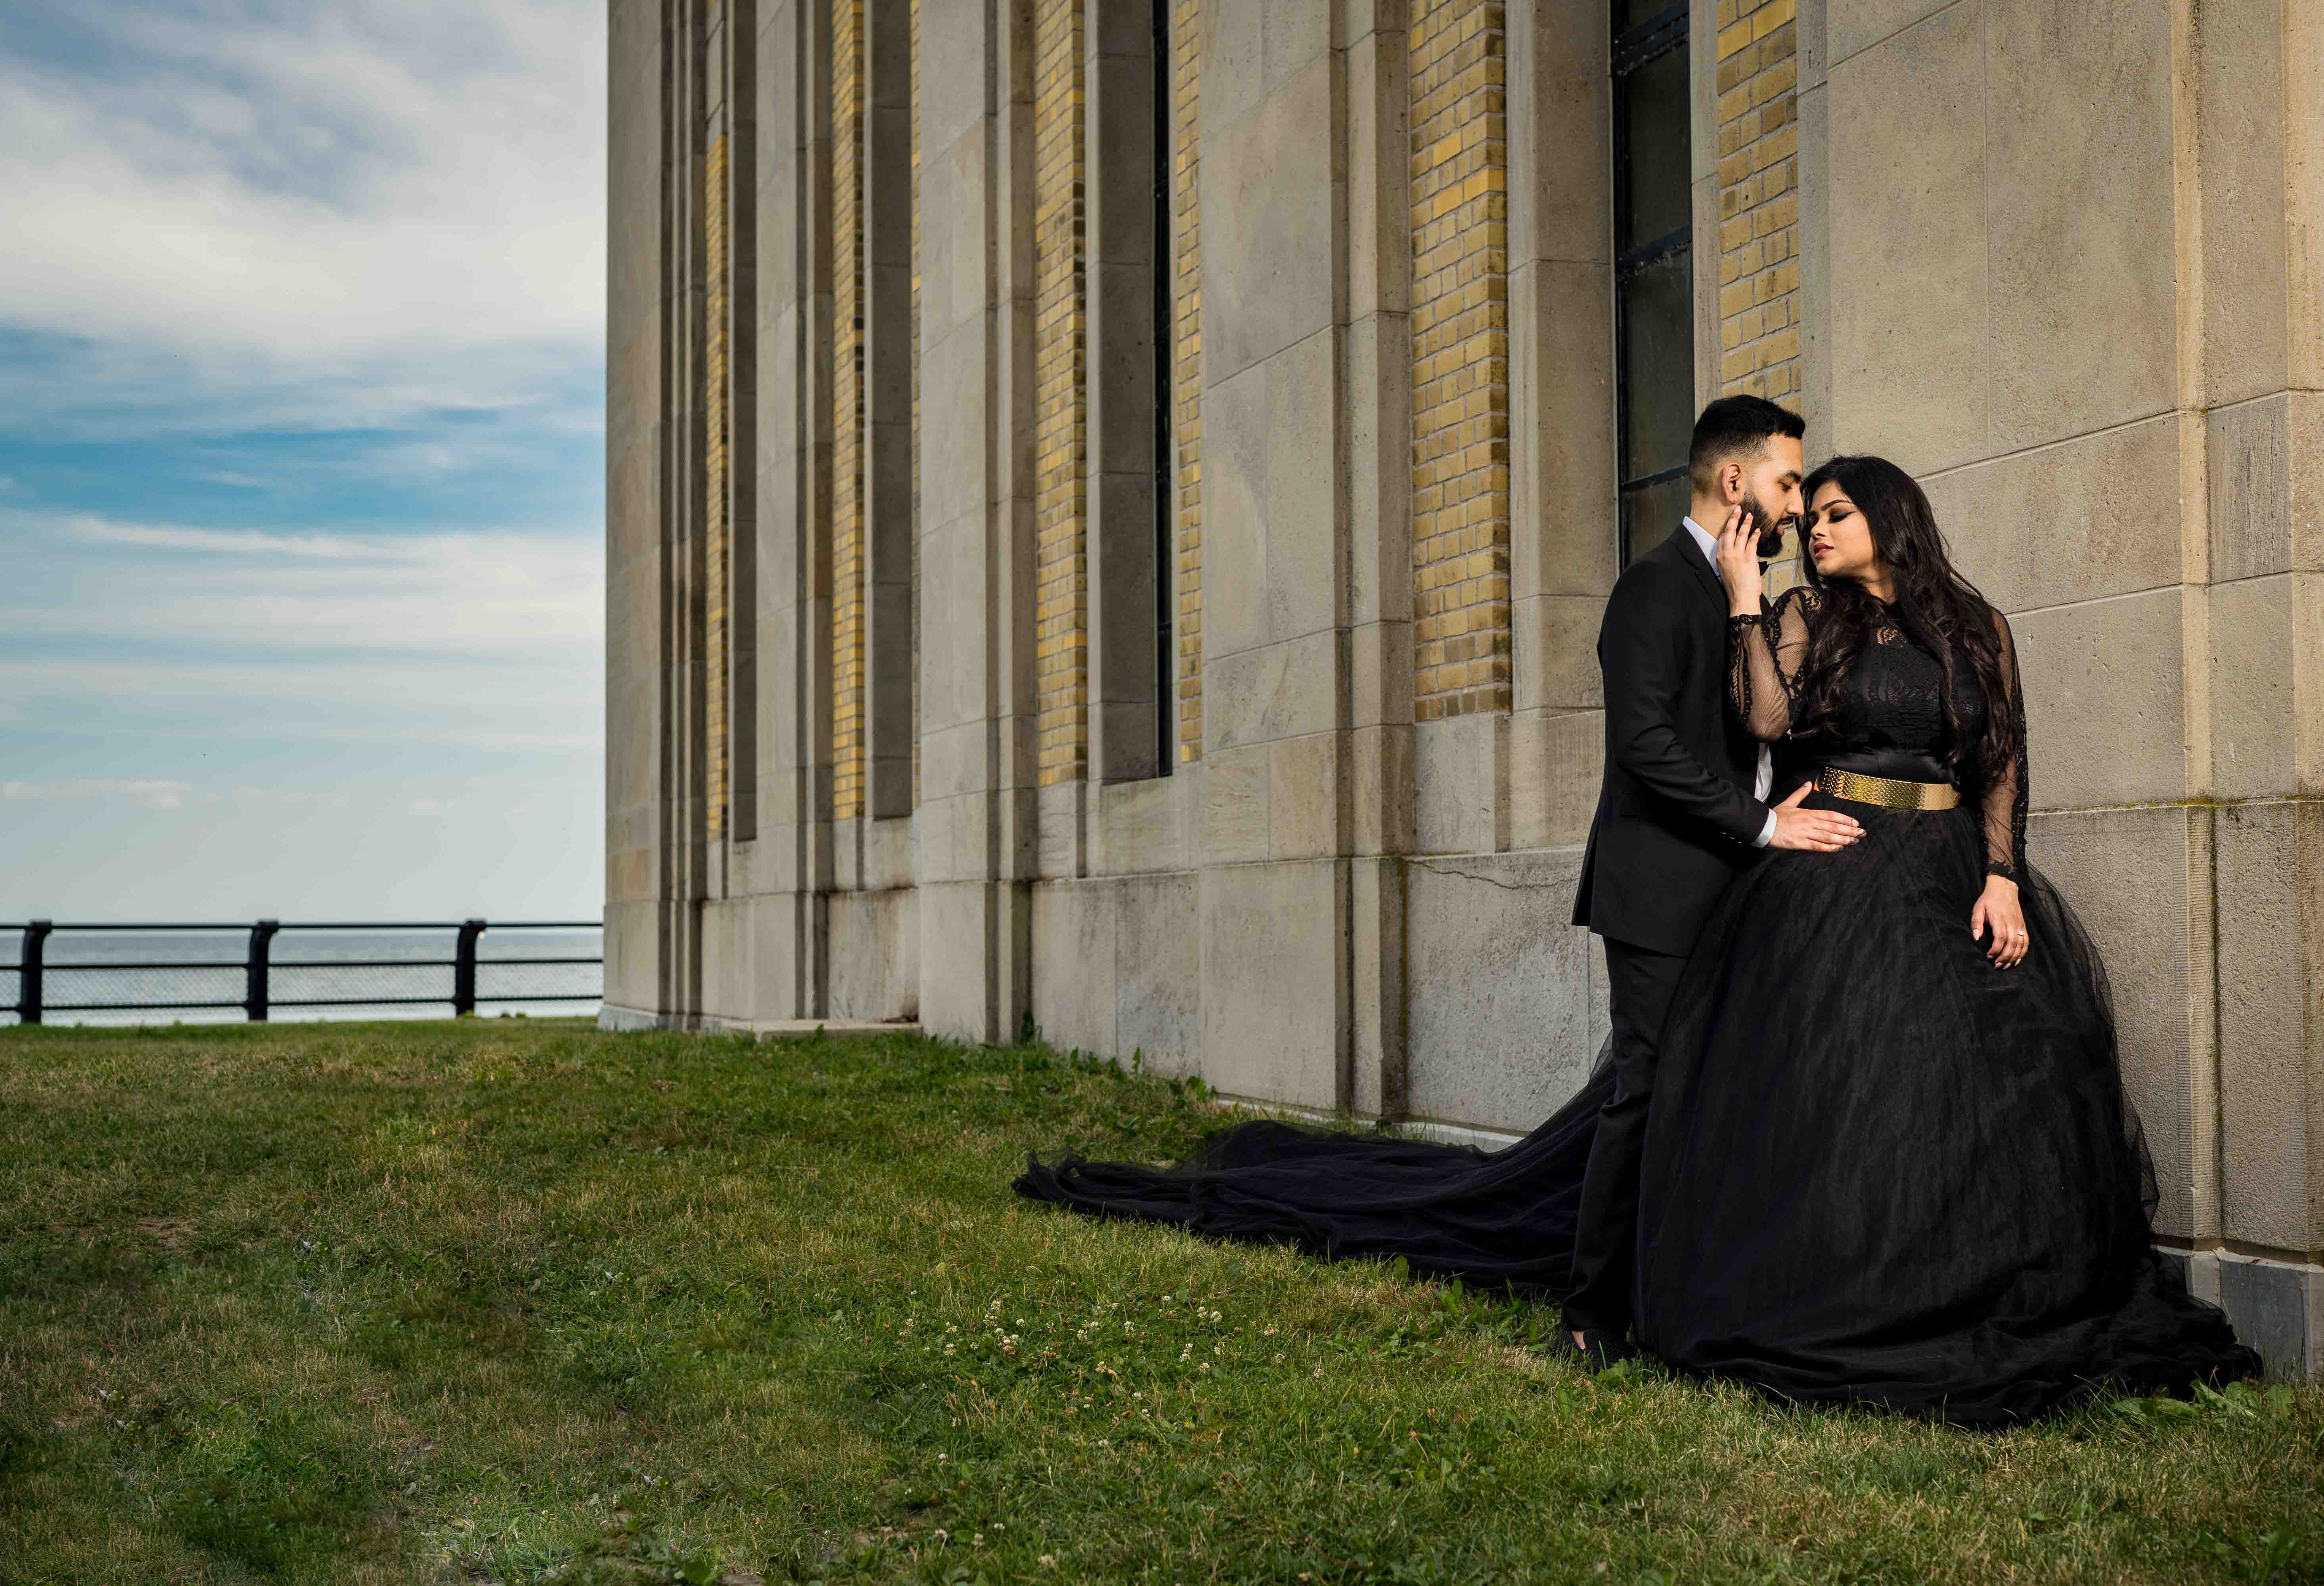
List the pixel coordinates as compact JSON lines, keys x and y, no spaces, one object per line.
{"x":633,"y":1020}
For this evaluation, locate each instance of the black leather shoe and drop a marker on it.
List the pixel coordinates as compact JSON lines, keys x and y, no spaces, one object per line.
{"x":1597,"y":1351}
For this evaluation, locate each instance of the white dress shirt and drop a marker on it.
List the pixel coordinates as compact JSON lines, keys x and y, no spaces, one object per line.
{"x":1765,"y":782}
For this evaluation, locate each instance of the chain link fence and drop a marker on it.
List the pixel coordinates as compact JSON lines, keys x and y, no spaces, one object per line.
{"x":59,"y":972}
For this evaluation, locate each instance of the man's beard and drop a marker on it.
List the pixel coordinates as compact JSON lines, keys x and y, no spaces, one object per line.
{"x":1770,"y":526}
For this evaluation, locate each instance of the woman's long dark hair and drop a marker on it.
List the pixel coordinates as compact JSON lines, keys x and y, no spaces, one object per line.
{"x":1937,"y":608}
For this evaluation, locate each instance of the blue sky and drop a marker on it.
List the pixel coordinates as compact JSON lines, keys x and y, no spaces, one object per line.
{"x":301,"y":379}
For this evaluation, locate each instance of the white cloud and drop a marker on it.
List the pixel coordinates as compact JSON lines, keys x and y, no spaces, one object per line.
{"x":482,"y":592}
{"x":331,"y":213}
{"x":154,"y":793}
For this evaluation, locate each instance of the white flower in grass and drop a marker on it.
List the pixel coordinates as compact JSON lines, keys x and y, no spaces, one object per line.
{"x":1049,"y":1561}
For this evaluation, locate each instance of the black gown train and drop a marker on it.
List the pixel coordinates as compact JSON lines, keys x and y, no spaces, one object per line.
{"x":1877,"y":1167}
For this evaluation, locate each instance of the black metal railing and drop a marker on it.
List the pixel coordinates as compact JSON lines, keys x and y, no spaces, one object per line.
{"x":92,"y":980}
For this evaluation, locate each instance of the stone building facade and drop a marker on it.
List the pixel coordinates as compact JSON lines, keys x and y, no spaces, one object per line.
{"x":1111,"y":502}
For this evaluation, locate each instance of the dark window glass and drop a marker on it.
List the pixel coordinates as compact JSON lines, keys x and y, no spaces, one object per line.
{"x":1655,"y":137}
{"x":1658,"y":364}
{"x":1654,"y":270}
{"x":1651,"y":512}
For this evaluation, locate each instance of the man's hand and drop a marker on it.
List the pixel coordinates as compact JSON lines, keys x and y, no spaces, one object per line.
{"x":1738,"y":564}
{"x":1820,"y":831}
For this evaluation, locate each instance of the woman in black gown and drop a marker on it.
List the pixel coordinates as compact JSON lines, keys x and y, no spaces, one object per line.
{"x":1889,"y":1159}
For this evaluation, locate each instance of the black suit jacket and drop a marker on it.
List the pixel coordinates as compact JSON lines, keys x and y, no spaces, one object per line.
{"x":1675,"y":819}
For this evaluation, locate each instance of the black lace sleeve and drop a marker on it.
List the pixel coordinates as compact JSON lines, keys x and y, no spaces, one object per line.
{"x":1764,"y":655}
{"x":2006,"y":799}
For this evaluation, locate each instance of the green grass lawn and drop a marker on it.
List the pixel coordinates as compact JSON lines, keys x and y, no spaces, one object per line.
{"x":515,"y":1301}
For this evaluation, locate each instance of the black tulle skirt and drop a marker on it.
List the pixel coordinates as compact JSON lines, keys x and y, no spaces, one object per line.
{"x":1877,"y":1169}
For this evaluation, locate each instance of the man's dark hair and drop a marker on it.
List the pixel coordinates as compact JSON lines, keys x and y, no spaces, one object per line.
{"x":1732,"y":425}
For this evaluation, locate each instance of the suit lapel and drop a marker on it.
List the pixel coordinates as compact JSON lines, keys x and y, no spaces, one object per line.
{"x":1706,"y":576}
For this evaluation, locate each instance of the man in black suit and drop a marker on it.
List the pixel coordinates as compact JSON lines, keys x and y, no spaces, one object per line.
{"x":1682,"y":810}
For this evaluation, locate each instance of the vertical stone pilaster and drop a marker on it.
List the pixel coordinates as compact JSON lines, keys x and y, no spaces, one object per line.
{"x":976,"y":820}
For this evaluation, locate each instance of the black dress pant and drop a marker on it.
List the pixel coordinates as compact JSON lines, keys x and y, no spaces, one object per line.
{"x":1605,"y":1244}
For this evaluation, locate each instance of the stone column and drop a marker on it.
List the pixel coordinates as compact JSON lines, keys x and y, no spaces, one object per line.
{"x":636,"y":637}
{"x":976,"y":818}
{"x":1273,"y":898}
{"x":789,"y":876}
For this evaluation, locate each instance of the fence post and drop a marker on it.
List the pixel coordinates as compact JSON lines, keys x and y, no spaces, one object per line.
{"x":253,"y":999}
{"x":464,"y":970}
{"x":28,"y":972}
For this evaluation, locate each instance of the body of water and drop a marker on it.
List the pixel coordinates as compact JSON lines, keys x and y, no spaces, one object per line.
{"x":383,"y":964}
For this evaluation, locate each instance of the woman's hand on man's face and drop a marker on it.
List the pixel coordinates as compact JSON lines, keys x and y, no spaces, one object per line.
{"x":1739,"y":563}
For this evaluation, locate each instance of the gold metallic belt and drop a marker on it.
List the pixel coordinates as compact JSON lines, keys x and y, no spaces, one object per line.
{"x":1888,"y":790}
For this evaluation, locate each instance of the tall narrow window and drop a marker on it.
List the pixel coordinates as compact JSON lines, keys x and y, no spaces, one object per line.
{"x":1654,"y":270}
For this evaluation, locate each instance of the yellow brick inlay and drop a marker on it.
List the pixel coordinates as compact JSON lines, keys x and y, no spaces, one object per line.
{"x":847,"y":129}
{"x":1060,"y":665}
{"x":1758,"y":199}
{"x":714,"y":427}
{"x":1460,"y":359}
{"x":1187,"y":374}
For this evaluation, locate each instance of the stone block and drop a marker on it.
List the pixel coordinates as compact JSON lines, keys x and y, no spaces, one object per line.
{"x":891,"y":852}
{"x":1270,"y":512}
{"x":1158,"y":970}
{"x":633,"y":954}
{"x":1276,"y":691}
{"x":874,"y":955}
{"x":966,"y":958}
{"x":955,"y":72}
{"x":1273,"y":962}
{"x":2271,"y":1303}
{"x":1376,"y":921}
{"x":1063,"y":837}
{"x":2240,"y":54}
{"x":1909,"y":361}
{"x":1379,"y":672}
{"x":1251,"y":51}
{"x":727,"y":959}
{"x":1307,"y":796}
{"x":1375,"y":380}
{"x":2105,"y":701}
{"x":2089,"y":518}
{"x":1501,"y":1014}
{"x":1380,"y":792}
{"x":1854,"y":26}
{"x":2130,"y":877}
{"x":2253,"y":689}
{"x":1270,"y":239}
{"x":1461,"y":785}
{"x":2083,"y":280}
{"x":955,"y":675}
{"x":956,"y":839}
{"x":2268,"y":1067}
{"x":1556,"y":762}
{"x":1560,"y":109}
{"x":1073,"y":964}
{"x":2248,"y":467}
{"x":1234,"y":795}
{"x":954,"y":433}
{"x":1560,"y":535}
{"x":1146,"y":826}
{"x":1556,"y":644}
